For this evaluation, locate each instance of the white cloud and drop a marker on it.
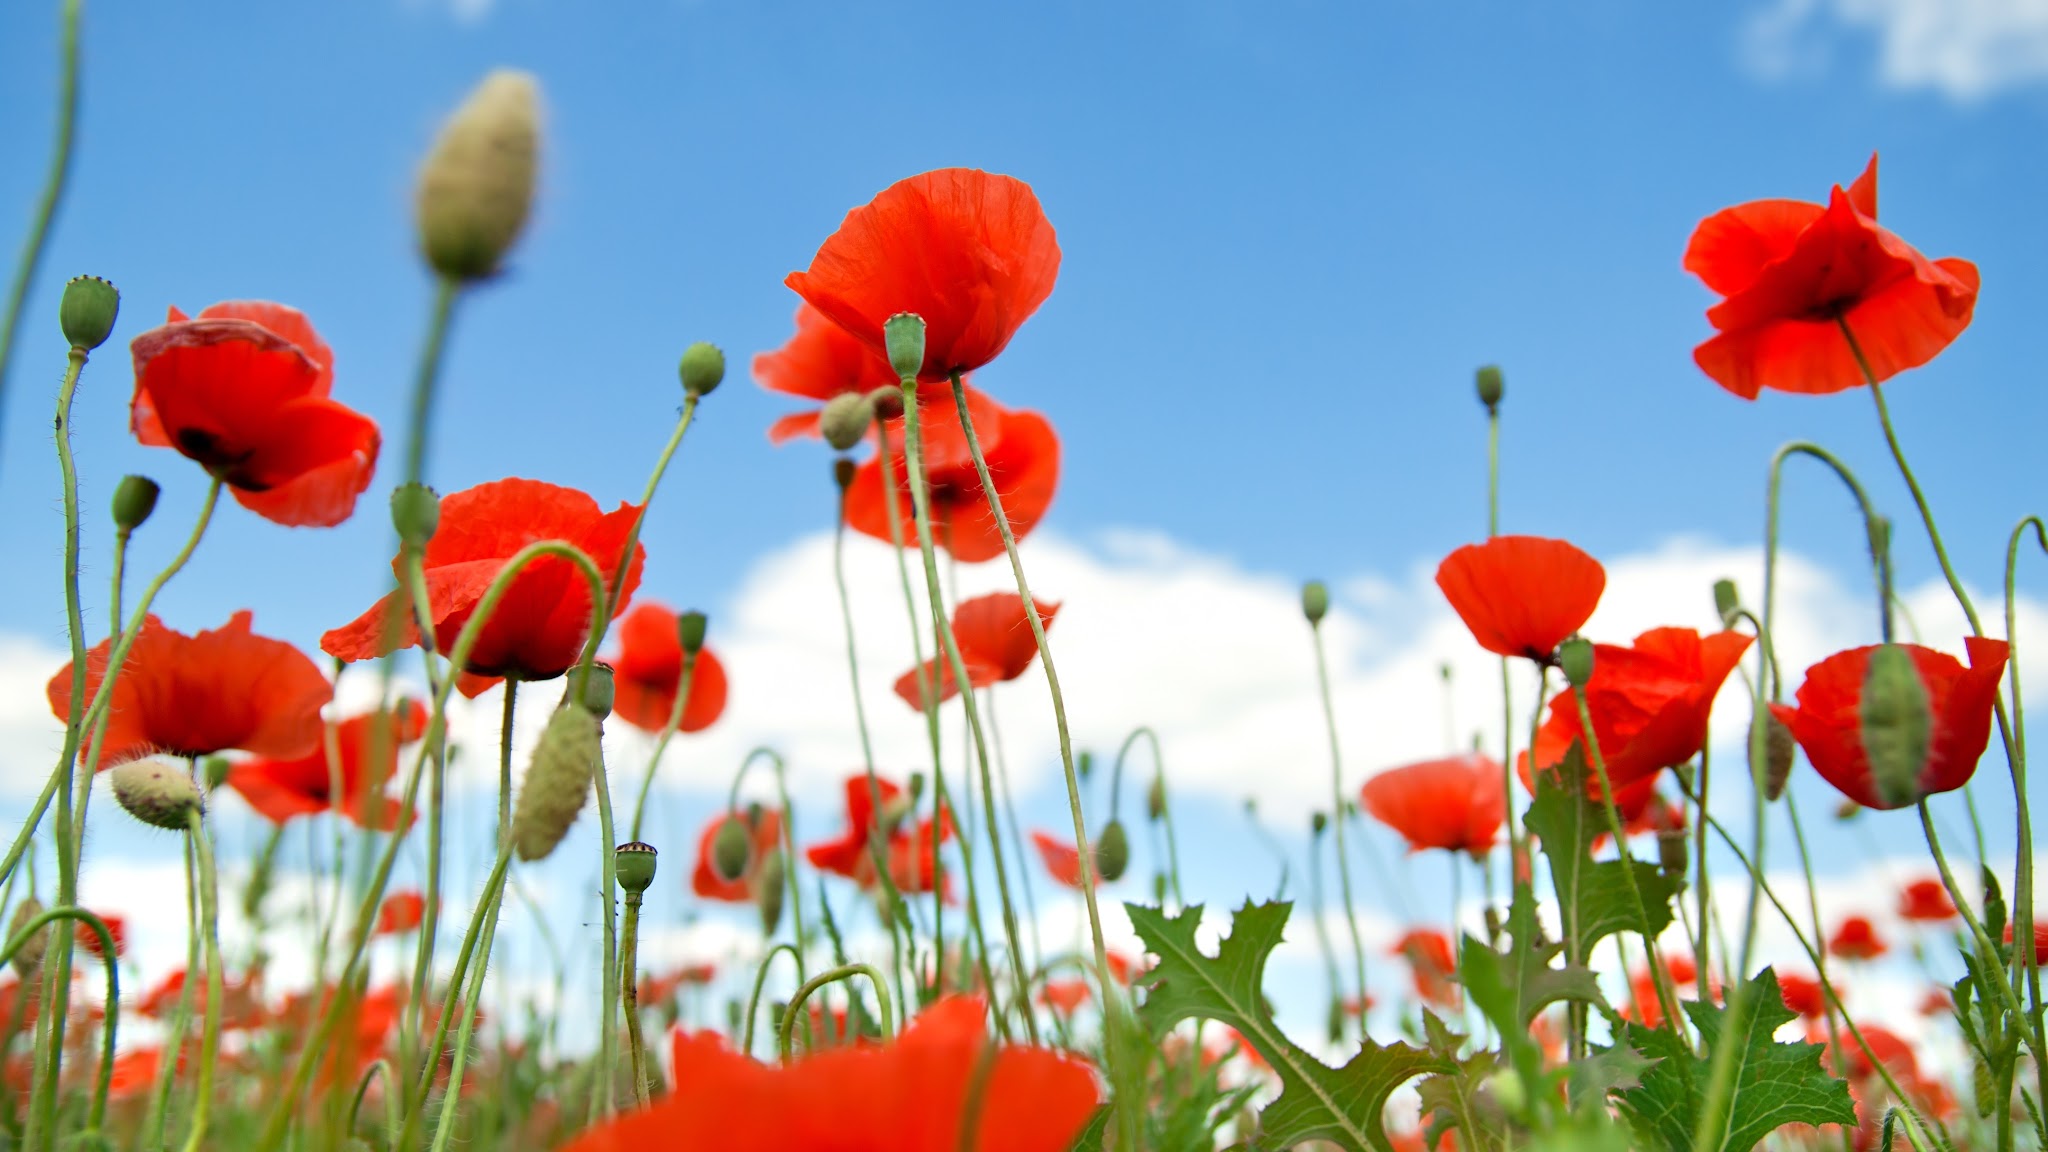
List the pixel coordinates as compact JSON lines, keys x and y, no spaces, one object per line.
{"x":1965,"y":49}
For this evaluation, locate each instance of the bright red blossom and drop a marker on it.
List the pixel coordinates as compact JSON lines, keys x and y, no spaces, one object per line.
{"x":2040,"y":942}
{"x":1522,"y":595}
{"x":1802,"y":994}
{"x":242,"y":389}
{"x":969,"y":251}
{"x":1927,"y":901}
{"x":1456,"y":804}
{"x":539,"y":626}
{"x":1791,"y":272}
{"x":1857,"y":939}
{"x":117,"y":927}
{"x":1649,"y":703}
{"x":1023,"y":458}
{"x":648,"y":672}
{"x":766,"y":838}
{"x":821,"y":361}
{"x":1828,"y":722}
{"x":912,"y":856}
{"x":996,"y":644}
{"x":400,"y":912}
{"x":223,"y":689}
{"x":1062,"y":859}
{"x":1432,"y":962}
{"x":284,"y":788}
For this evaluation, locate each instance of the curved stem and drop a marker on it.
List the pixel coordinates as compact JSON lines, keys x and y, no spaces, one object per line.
{"x":1337,"y":806}
{"x":842,"y":972}
{"x":38,"y":239}
{"x":485,"y":913}
{"x":668,"y":453}
{"x":112,"y":1005}
{"x":760,"y":978}
{"x":216,"y":985}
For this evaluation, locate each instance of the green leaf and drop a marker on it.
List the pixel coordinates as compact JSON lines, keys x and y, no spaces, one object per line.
{"x":1456,"y":1099}
{"x":1607,"y":1071}
{"x":1317,"y":1102}
{"x":1774,"y":1084}
{"x":1594,"y":898}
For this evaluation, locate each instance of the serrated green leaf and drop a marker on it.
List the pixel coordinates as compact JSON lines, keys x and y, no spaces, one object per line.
{"x":1594,"y":898}
{"x":1606,"y":1071}
{"x":1457,"y":1101}
{"x":1317,"y":1102}
{"x":1774,"y":1084}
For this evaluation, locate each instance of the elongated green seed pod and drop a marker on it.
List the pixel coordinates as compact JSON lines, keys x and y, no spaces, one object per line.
{"x":557,"y":781}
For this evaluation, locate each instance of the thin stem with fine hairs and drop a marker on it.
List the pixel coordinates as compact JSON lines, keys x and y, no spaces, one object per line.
{"x":38,"y":238}
{"x":2023,"y":886}
{"x":669,"y":727}
{"x":216,"y":985}
{"x":1337,"y":802}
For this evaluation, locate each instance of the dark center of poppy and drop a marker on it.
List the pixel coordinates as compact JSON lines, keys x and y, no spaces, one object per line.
{"x":203,"y":446}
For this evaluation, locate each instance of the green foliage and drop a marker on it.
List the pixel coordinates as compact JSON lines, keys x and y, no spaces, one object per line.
{"x":1594,"y":897}
{"x":1317,"y":1102}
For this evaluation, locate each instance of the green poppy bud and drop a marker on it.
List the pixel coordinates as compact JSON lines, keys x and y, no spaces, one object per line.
{"x":1159,"y":889}
{"x":1155,"y":799}
{"x":1112,"y":851}
{"x":1897,"y":724}
{"x":1848,"y":810}
{"x":769,"y":883}
{"x":1672,"y":856}
{"x":214,"y":769}
{"x":416,"y":513}
{"x":731,"y":846}
{"x":1880,"y":531}
{"x":28,"y":958}
{"x":157,"y":793}
{"x":1491,"y":385}
{"x":1315,"y":601}
{"x":702,"y":368}
{"x":87,"y":311}
{"x":903,"y":336}
{"x":1084,"y":765}
{"x":134,"y":500}
{"x":1318,"y":823}
{"x":916,"y":788}
{"x":633,"y":864}
{"x":1575,"y":660}
{"x":557,"y":781}
{"x":1725,"y":600}
{"x":599,"y":688}
{"x":476,"y":188}
{"x":1777,"y":765}
{"x":842,"y":473}
{"x":1334,"y":1021}
{"x":887,"y":402}
{"x":845,"y":420}
{"x":690,"y":630}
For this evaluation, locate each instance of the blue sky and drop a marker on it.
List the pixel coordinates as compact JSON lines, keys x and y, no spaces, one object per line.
{"x":1291,"y":231}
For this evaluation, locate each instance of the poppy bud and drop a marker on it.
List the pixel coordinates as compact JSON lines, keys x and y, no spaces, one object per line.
{"x":1493,"y":924}
{"x":893,"y":812}
{"x":1491,"y":385}
{"x":690,"y":631}
{"x":916,"y":788}
{"x":416,"y":513}
{"x":1848,"y":810}
{"x":134,"y":499}
{"x":477,"y":185}
{"x":1155,"y":799}
{"x":703,"y":367}
{"x":1575,"y":659}
{"x":87,"y":311}
{"x":1159,"y":889}
{"x":1112,"y":851}
{"x":598,"y":690}
{"x":1777,"y":765}
{"x":1725,"y":600}
{"x":1334,"y":1021}
{"x":842,"y":473}
{"x":768,"y":891}
{"x":845,"y":420}
{"x":1896,"y":724}
{"x":633,"y":864}
{"x":214,"y":770}
{"x":730,"y":847}
{"x":1084,"y":764}
{"x":887,"y":403}
{"x":157,"y":793}
{"x":557,"y":781}
{"x":1318,"y":823}
{"x":903,"y":336}
{"x":1315,"y":601}
{"x":1672,"y":857}
{"x":1880,"y":530}
{"x":29,"y":957}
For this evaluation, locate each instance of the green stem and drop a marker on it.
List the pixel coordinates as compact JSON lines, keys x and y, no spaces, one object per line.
{"x":669,"y":728}
{"x":761,"y":978}
{"x":668,"y":453}
{"x":427,"y":377}
{"x":444,"y":1125}
{"x":181,"y":1014}
{"x":1986,"y":950}
{"x":791,"y":1014}
{"x":1337,"y":805}
{"x":629,"y":963}
{"x":216,"y":985}
{"x":1315,"y":901}
{"x":481,"y":928}
{"x":105,"y":936}
{"x":995,"y":736}
{"x":38,"y":239}
{"x":2023,"y":879}
{"x":505,"y":761}
{"x":606,"y":1081}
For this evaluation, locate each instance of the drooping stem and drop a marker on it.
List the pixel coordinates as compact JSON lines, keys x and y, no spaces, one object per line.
{"x":1337,"y":808}
{"x":761,"y":978}
{"x":791,"y":1014}
{"x":111,"y":1005}
{"x":38,"y":238}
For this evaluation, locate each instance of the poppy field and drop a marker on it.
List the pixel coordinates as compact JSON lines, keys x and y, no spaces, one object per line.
{"x":1618,"y":977}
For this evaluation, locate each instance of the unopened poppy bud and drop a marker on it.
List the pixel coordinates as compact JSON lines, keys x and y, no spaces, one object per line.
{"x":1084,"y":765}
{"x":1880,"y":531}
{"x":903,"y":336}
{"x":1155,"y":799}
{"x":916,"y":788}
{"x":1333,"y":1021}
{"x":1159,"y":888}
{"x":768,"y":891}
{"x":887,"y":403}
{"x":894,"y":811}
{"x":1318,"y":823}
{"x":633,"y":864}
{"x":157,"y":793}
{"x":1493,"y":924}
{"x":1491,"y":386}
{"x":87,"y":311}
{"x":557,"y":781}
{"x":1575,"y":660}
{"x":1315,"y":601}
{"x":845,"y":420}
{"x":842,"y":473}
{"x":702,"y":368}
{"x":476,"y":187}
{"x":1672,"y":856}
{"x":416,"y":513}
{"x":1725,"y":600}
{"x":214,"y":770}
{"x":1896,"y":724}
{"x":134,"y":500}
{"x":1777,"y":765}
{"x":730,"y":847}
{"x":1112,"y":851}
{"x":1848,"y":810}
{"x":598,"y":690}
{"x":690,"y":631}
{"x":29,"y":957}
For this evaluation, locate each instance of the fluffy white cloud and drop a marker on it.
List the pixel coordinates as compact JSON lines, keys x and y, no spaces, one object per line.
{"x":1966,"y":49}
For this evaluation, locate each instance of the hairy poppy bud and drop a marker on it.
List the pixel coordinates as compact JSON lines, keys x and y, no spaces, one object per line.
{"x":87,"y":311}
{"x":845,"y":420}
{"x":1318,"y":823}
{"x":1672,"y":856}
{"x":690,"y":631}
{"x":29,"y":957}
{"x":842,"y":473}
{"x":702,"y":368}
{"x":1315,"y":601}
{"x":557,"y":781}
{"x":633,"y":864}
{"x":887,"y":403}
{"x":1896,"y":724}
{"x":134,"y":500}
{"x":1725,"y":600}
{"x":416,"y":513}
{"x":476,"y":187}
{"x":903,"y":336}
{"x":214,"y":770}
{"x":1155,"y":799}
{"x":1575,"y":660}
{"x":1112,"y":851}
{"x":730,"y":847}
{"x":1491,"y":386}
{"x":157,"y":793}
{"x":768,"y":891}
{"x":1777,"y":765}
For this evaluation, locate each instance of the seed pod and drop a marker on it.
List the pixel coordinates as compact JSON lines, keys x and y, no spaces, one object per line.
{"x":476,"y":187}
{"x":1896,"y":724}
{"x":1725,"y":600}
{"x":1491,"y":386}
{"x":1575,"y":659}
{"x":86,"y":311}
{"x":1112,"y":851}
{"x":903,"y":337}
{"x":702,"y":368}
{"x":1315,"y":601}
{"x":842,"y":473}
{"x":1777,"y":766}
{"x":731,"y":845}
{"x":690,"y":628}
{"x":768,"y":891}
{"x":1318,"y":823}
{"x":633,"y":863}
{"x":157,"y":793}
{"x":28,"y":959}
{"x":599,"y":689}
{"x":845,"y":420}
{"x":416,"y":513}
{"x":134,"y":499}
{"x":557,"y":781}
{"x":1672,"y":854}
{"x":1155,"y":799}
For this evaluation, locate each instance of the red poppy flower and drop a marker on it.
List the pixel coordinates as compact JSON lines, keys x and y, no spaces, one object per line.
{"x":1789,"y":269}
{"x":1939,"y":1001}
{"x":1802,"y":994}
{"x":1926,"y":900}
{"x":400,"y":912}
{"x":1684,"y":975}
{"x":241,"y":1004}
{"x":913,"y":856}
{"x":996,"y":644}
{"x":909,"y":1095}
{"x":1649,"y":703}
{"x":1432,"y":961}
{"x":2040,"y":941}
{"x":242,"y":389}
{"x":135,"y":1072}
{"x":969,"y":251}
{"x":647,"y":672}
{"x":1062,"y":859}
{"x":538,"y":628}
{"x":1891,"y":1050}
{"x":1456,"y":804}
{"x":1064,"y":997}
{"x":1857,"y":939}
{"x":705,"y":880}
{"x":181,"y":695}
{"x":1828,"y":723}
{"x":821,"y":361}
{"x":1023,"y":457}
{"x":284,"y":788}
{"x":1522,"y":595}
